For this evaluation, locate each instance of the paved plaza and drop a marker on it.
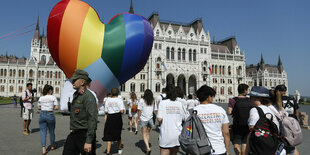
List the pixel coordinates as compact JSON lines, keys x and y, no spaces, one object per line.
{"x":13,"y":142}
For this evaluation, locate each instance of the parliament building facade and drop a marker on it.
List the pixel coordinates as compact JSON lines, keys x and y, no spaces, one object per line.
{"x":182,"y":54}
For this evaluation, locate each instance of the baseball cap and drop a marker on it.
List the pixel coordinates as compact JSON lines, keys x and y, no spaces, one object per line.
{"x":259,"y":91}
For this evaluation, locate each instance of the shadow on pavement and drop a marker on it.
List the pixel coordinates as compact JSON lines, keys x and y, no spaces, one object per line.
{"x":35,"y":130}
{"x":140,"y":144}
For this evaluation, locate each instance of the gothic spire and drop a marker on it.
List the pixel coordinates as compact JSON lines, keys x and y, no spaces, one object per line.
{"x":262,"y":59}
{"x":280,"y":67}
{"x":131,"y":8}
{"x":262,"y":63}
{"x":279,"y":61}
{"x":37,"y":32}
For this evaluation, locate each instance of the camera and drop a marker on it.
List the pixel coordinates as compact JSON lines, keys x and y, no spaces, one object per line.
{"x":33,"y":90}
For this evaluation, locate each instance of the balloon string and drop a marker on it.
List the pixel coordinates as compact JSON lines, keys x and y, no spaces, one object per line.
{"x":17,"y":30}
{"x":17,"y":35}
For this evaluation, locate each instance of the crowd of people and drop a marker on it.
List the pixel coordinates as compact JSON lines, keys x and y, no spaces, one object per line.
{"x":168,"y":110}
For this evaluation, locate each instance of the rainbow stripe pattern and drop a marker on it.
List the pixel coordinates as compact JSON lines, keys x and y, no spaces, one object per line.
{"x":111,"y":53}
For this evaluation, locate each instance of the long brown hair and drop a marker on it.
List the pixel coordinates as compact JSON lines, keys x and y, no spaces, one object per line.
{"x":276,"y":98}
{"x":133,"y":96}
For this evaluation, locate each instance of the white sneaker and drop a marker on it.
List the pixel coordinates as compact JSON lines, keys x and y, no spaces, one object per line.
{"x":120,"y":151}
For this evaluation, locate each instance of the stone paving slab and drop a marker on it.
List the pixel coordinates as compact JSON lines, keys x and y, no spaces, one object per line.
{"x":13,"y":142}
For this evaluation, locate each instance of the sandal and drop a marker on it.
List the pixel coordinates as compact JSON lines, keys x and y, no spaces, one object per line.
{"x":26,"y":132}
{"x":54,"y":146}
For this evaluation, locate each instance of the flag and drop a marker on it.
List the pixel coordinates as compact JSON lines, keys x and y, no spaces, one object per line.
{"x":210,"y":70}
{"x":163,"y":64}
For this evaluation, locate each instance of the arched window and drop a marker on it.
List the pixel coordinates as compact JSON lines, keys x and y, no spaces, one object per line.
{"x":14,"y":73}
{"x":31,"y":73}
{"x":4,"y":72}
{"x":157,"y":88}
{"x":1,"y":72}
{"x":220,"y":70}
{"x":142,"y":87}
{"x":239,"y":70}
{"x":11,"y":89}
{"x":183,"y":54}
{"x":23,"y":73}
{"x":123,"y":87}
{"x":157,"y":32}
{"x":57,"y":90}
{"x":223,"y":70}
{"x":43,"y":57}
{"x":51,"y":74}
{"x":229,"y":70}
{"x":229,"y":91}
{"x":56,"y":75}
{"x":215,"y":70}
{"x":179,"y":53}
{"x":194,"y":55}
{"x":190,"y":55}
{"x":167,"y":53}
{"x":222,"y":91}
{"x":172,"y":53}
{"x":2,"y":89}
{"x":212,"y":70}
{"x":132,"y":87}
{"x":59,"y":74}
{"x":11,"y":73}
{"x":215,"y":89}
{"x":47,"y":74}
{"x":20,"y":89}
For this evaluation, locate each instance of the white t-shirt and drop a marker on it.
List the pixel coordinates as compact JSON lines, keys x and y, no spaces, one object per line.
{"x":146,"y":110}
{"x":212,"y":118}
{"x":160,"y":98}
{"x":191,"y":103}
{"x":172,"y":115}
{"x":47,"y":102}
{"x":95,"y":95}
{"x":114,"y":105}
{"x":254,"y":116}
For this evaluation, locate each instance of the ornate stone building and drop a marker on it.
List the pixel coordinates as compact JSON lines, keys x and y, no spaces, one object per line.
{"x":39,"y":69}
{"x":266,"y":75}
{"x":182,"y":55}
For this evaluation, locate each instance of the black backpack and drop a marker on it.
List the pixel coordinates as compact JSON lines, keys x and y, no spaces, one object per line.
{"x":241,"y":111}
{"x":264,"y":139}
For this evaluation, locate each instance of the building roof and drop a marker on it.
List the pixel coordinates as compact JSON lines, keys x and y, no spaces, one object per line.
{"x":219,"y":49}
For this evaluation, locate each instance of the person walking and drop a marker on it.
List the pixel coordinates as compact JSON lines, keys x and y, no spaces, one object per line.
{"x":114,"y":108}
{"x":83,"y":118}
{"x":15,"y":101}
{"x":289,"y":106}
{"x":239,"y":107}
{"x":47,"y":104}
{"x":146,"y":109}
{"x":133,"y":112}
{"x":170,"y":116}
{"x":259,"y":98}
{"x":27,"y":111}
{"x":214,"y":120}
{"x":191,"y":102}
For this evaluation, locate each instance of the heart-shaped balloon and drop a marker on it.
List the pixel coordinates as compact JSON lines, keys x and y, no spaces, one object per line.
{"x":111,"y":53}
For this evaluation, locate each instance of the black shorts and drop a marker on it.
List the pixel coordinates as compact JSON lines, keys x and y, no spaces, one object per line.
{"x":240,"y":134}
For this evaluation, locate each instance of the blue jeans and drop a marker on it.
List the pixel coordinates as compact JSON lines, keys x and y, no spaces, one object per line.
{"x":47,"y":120}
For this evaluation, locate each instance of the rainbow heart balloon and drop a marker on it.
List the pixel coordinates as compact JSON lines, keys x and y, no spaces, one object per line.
{"x":111,"y":53}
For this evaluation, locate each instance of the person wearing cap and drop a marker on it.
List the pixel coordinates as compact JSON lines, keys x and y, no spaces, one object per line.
{"x":257,"y":96}
{"x":83,"y":117}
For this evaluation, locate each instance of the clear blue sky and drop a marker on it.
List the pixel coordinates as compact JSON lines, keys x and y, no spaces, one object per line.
{"x":270,"y":27}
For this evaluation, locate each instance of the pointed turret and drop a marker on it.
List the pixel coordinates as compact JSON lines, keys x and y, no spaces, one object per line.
{"x":37,"y":32}
{"x":280,"y":67}
{"x":262,"y":63}
{"x":131,"y":8}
